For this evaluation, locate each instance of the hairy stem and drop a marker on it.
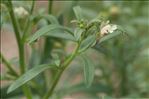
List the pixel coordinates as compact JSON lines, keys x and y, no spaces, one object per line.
{"x":59,"y":72}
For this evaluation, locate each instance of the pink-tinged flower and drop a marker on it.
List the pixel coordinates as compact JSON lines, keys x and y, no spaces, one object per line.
{"x":109,"y":28}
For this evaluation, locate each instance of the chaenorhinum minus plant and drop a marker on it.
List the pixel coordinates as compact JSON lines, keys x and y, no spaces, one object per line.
{"x":86,"y":35}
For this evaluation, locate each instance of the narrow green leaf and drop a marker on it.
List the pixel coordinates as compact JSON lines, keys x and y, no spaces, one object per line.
{"x":88,"y":71}
{"x":77,"y":33}
{"x":28,"y":76}
{"x":50,"y":18}
{"x":87,"y":43}
{"x":61,"y":34}
{"x":4,"y":94}
{"x":78,"y":12}
{"x":47,"y":30}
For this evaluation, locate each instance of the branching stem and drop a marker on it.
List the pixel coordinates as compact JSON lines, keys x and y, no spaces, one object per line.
{"x":60,"y":72}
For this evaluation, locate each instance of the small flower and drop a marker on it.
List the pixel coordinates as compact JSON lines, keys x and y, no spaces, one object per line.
{"x":109,"y":28}
{"x":113,"y":28}
{"x":20,"y":12}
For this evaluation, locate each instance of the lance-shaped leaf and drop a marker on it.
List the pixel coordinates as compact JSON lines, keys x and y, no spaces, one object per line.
{"x":47,"y":31}
{"x":61,"y":34}
{"x":77,"y":33}
{"x":78,"y":12}
{"x":50,"y":18}
{"x":87,"y":43}
{"x":88,"y":71}
{"x":29,"y":75}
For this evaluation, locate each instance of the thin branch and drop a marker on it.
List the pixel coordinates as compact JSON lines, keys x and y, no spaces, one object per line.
{"x":50,"y":3}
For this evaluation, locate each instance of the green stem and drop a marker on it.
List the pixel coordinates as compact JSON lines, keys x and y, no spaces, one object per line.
{"x":123,"y":84}
{"x":18,"y":38}
{"x":8,"y":65}
{"x":47,"y":49}
{"x":32,"y":7}
{"x":50,"y":6}
{"x":20,"y":46}
{"x":27,"y":91}
{"x":59,"y":73}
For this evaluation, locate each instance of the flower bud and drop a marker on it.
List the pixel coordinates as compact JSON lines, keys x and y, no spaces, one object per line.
{"x":20,"y":12}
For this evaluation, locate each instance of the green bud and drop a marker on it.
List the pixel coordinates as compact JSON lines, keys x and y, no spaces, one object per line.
{"x":81,"y":25}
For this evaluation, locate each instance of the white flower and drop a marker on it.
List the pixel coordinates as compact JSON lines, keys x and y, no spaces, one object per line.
{"x":109,"y":28}
{"x":113,"y":28}
{"x":20,"y":12}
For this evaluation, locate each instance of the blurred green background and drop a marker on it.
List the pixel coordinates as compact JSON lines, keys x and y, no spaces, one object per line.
{"x":122,"y":63}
